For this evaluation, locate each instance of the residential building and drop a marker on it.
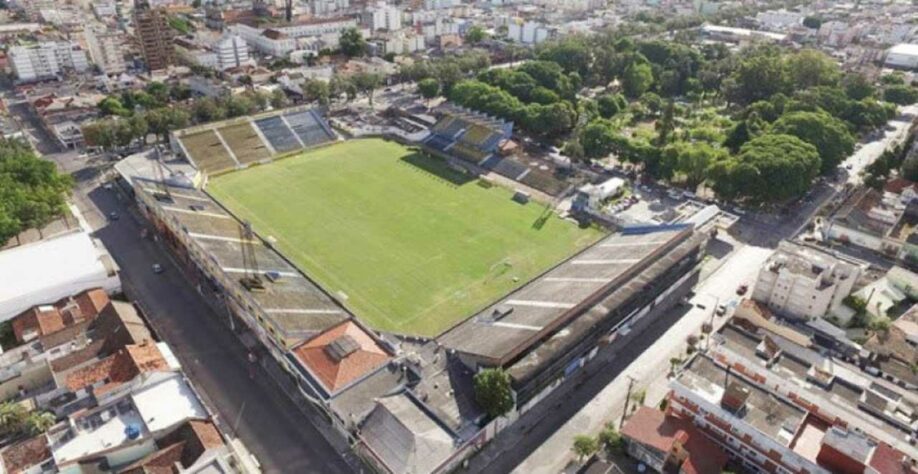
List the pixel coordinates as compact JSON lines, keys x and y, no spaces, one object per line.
{"x":383,"y":16}
{"x":62,"y":116}
{"x":47,"y":60}
{"x":779,"y":20}
{"x":528,"y":32}
{"x":667,"y":443}
{"x":804,"y":281}
{"x":231,"y":52}
{"x":876,"y":220}
{"x":106,"y":51}
{"x":771,"y":396}
{"x":152,"y":28}
{"x":328,"y":7}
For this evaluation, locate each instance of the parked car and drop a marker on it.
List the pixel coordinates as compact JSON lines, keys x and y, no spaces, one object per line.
{"x":742,"y":289}
{"x":157,"y":268}
{"x":721,"y":310}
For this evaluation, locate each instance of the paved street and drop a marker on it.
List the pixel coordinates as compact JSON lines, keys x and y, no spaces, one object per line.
{"x":896,"y":131}
{"x":266,"y":421}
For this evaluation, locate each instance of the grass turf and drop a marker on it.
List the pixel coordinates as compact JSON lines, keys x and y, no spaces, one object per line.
{"x":414,"y":245}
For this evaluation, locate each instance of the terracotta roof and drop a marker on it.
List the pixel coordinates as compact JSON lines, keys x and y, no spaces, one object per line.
{"x":897,"y":185}
{"x":196,"y":436}
{"x":157,"y":462}
{"x":26,"y":454}
{"x":341,"y":355}
{"x":889,"y":460}
{"x":119,"y":368}
{"x":654,"y":428}
{"x":754,"y":314}
{"x":48,"y":319}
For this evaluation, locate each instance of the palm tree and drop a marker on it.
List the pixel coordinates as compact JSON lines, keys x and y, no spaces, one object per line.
{"x":12,"y":416}
{"x":39,"y":421}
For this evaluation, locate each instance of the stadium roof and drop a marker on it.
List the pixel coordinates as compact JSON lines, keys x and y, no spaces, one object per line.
{"x":511,"y":326}
{"x":292,"y":303}
{"x":48,"y":270}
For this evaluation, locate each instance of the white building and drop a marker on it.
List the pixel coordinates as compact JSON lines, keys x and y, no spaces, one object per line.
{"x":232,"y":51}
{"x":437,"y":4}
{"x":105,"y":49}
{"x":47,"y":60}
{"x":529,"y":32}
{"x":904,"y":56}
{"x":804,"y":282}
{"x":328,"y":7}
{"x":104,"y":9}
{"x":403,"y":44}
{"x":384,"y":17}
{"x":272,"y":43}
{"x":51,"y":269}
{"x":779,"y":19}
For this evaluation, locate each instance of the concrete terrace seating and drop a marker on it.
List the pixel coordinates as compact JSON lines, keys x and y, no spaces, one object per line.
{"x":509,"y":168}
{"x":207,"y":151}
{"x":309,"y":128}
{"x":468,"y":153}
{"x":245,"y":143}
{"x":438,"y":143}
{"x":278,"y":134}
{"x":543,"y":181}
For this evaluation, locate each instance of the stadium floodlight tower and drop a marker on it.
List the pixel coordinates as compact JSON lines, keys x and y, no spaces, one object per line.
{"x":162,"y":193}
{"x":251,"y":278}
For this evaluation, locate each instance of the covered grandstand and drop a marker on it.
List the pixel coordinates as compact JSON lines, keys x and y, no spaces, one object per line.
{"x":237,"y":143}
{"x":475,"y":138}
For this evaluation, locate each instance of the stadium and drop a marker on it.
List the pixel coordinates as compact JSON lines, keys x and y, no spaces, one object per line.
{"x":402,"y":240}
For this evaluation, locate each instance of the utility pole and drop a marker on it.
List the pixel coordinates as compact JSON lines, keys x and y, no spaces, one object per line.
{"x":627,"y":399}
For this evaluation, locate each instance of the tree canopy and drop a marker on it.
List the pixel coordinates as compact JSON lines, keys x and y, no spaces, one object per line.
{"x":32,"y":192}
{"x":828,"y":134}
{"x":769,"y":168}
{"x":352,"y":43}
{"x":492,"y":391}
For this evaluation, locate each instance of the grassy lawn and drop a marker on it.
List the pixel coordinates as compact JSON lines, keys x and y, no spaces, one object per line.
{"x":414,"y":245}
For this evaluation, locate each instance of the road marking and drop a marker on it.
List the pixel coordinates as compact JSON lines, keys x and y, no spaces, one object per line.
{"x":303,"y":311}
{"x":577,"y":280}
{"x":605,"y":262}
{"x":539,"y":304}
{"x":221,"y":238}
{"x":517,"y":326}
{"x":197,"y":213}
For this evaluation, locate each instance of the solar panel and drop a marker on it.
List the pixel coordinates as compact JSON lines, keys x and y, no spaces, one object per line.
{"x":342,"y":347}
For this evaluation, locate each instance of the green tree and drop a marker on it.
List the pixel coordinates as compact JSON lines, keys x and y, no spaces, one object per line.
{"x":32,"y":192}
{"x":809,"y":68}
{"x":429,"y":88}
{"x":279,"y":99}
{"x":858,"y":86}
{"x":113,"y":106}
{"x":828,"y":134}
{"x":475,"y":35}
{"x":207,"y":110}
{"x":493,"y":392}
{"x":768,"y":168}
{"x":611,"y":104}
{"x":99,"y":133}
{"x":159,"y":91}
{"x":637,"y":79}
{"x":12,"y":417}
{"x":611,"y":439}
{"x":352,"y":43}
{"x":597,"y":139}
{"x":367,"y":83}
{"x":163,"y":120}
{"x":761,"y":74}
{"x":315,"y":90}
{"x":38,"y":422}
{"x":812,"y":22}
{"x":900,"y":94}
{"x":584,"y":447}
{"x":692,"y":160}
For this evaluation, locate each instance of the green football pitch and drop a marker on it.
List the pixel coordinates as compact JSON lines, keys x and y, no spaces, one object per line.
{"x":410,"y":245}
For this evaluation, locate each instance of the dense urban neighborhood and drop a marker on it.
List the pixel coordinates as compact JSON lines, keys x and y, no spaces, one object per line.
{"x":458,"y":236}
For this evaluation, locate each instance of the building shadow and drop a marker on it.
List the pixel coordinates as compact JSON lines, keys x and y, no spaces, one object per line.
{"x":437,"y":168}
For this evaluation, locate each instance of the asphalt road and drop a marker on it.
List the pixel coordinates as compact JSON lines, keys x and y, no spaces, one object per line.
{"x":272,"y":428}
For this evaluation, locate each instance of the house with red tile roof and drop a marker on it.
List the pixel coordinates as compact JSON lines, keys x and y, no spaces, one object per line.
{"x":179,"y":450}
{"x":118,"y":369}
{"x":25,"y":455}
{"x":667,"y":443}
{"x":340,"y":356}
{"x":44,"y":320}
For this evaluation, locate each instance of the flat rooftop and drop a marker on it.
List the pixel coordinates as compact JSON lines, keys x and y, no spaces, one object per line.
{"x":292,"y":303}
{"x":506,"y":328}
{"x":763,"y":411}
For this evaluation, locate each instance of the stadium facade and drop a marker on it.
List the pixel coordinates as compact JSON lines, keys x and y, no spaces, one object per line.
{"x":365,"y":381}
